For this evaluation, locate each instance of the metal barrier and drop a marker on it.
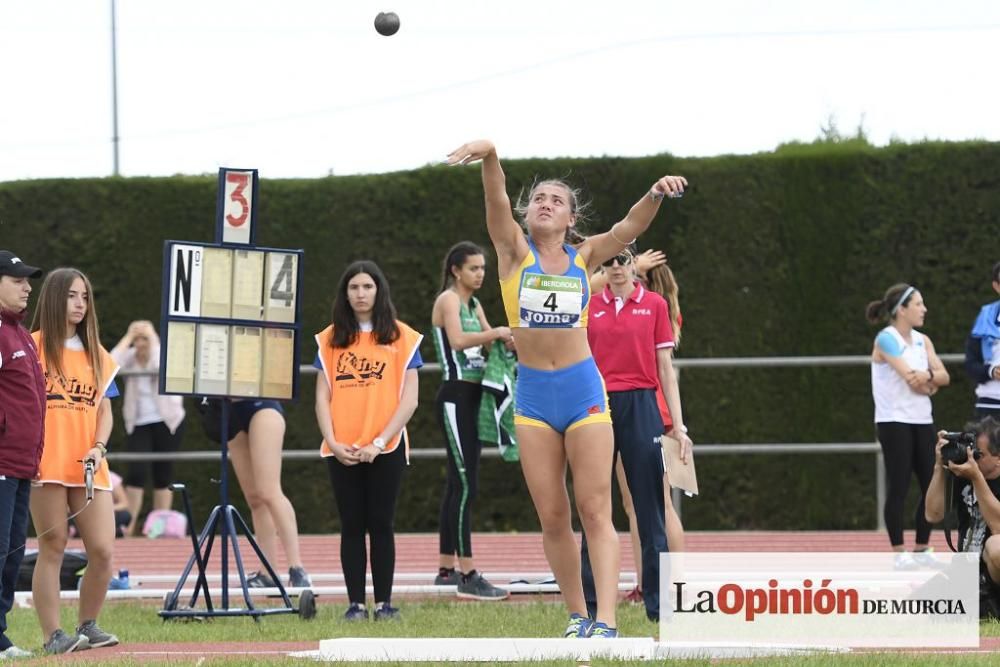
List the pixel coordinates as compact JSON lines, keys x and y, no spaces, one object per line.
{"x":713,"y":449}
{"x":706,"y":362}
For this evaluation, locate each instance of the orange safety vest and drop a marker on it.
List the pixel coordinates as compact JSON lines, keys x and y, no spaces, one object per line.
{"x":72,"y":401}
{"x":366,"y":383}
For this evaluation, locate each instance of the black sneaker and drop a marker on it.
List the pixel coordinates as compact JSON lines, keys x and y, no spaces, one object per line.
{"x":260,"y":580}
{"x":356,"y":612}
{"x":385,"y":612}
{"x":299,"y":578}
{"x":475,"y":587}
{"x":453,"y":578}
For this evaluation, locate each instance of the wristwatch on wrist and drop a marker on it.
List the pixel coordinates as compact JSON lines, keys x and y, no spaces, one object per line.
{"x":379,"y":444}
{"x":101,"y":447}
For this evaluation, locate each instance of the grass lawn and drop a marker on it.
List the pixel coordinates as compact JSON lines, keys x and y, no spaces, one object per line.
{"x":136,"y":622}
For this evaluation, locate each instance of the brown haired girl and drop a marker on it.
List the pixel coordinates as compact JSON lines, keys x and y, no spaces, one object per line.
{"x":79,"y":377}
{"x":366,"y":392}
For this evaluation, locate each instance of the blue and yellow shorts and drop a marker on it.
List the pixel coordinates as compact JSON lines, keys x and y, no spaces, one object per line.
{"x":562,"y":399}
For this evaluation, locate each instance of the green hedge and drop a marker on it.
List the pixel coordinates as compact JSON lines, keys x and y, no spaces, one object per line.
{"x":777,"y":254}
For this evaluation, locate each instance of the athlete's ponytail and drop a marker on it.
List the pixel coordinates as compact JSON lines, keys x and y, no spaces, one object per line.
{"x":895,"y":297}
{"x":456,"y":257}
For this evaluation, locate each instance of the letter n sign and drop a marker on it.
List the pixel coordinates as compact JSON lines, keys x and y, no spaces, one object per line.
{"x":185,"y":280}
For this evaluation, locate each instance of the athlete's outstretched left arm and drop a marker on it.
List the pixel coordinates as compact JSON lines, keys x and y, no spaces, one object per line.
{"x":602,"y":247}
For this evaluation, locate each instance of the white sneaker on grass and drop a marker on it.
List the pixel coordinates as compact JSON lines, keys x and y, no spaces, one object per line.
{"x":15,"y":653}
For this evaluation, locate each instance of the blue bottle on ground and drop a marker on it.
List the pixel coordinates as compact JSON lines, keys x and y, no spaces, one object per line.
{"x":119,"y":583}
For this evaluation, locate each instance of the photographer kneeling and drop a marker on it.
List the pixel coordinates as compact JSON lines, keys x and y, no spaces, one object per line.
{"x":974,"y":458}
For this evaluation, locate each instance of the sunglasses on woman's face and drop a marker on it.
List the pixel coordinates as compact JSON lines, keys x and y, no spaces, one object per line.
{"x":623,"y":260}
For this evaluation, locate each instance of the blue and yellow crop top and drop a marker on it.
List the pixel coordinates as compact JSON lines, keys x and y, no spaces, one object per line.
{"x":535,"y":300}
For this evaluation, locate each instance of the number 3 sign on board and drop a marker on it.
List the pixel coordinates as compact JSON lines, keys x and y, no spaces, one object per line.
{"x":237,"y":207}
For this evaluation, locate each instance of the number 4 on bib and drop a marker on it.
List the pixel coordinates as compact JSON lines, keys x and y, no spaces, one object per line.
{"x":550,"y":302}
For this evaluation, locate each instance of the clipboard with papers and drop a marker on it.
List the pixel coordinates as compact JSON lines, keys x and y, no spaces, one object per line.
{"x":681,"y":475}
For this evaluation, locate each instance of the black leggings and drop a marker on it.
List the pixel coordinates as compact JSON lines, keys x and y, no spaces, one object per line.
{"x":366,"y":496}
{"x":153,"y":438}
{"x":907,"y":449}
{"x":458,"y":415}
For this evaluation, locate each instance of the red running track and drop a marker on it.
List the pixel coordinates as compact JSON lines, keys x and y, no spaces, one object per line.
{"x":494,"y":552}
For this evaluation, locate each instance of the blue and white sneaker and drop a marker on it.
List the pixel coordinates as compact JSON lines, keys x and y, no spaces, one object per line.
{"x":601,"y":631}
{"x":579,"y":627}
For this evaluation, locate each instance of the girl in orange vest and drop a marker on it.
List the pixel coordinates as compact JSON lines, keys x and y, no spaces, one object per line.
{"x":365,"y":395}
{"x":79,"y":378}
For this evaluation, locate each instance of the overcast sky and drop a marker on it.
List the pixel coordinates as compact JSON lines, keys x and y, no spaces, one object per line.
{"x":304,"y":88}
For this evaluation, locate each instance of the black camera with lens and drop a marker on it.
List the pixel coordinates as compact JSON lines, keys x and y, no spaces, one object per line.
{"x":954,"y":451}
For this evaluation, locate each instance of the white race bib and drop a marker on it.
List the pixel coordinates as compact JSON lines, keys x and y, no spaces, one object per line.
{"x":474,"y":357}
{"x":550,"y":301}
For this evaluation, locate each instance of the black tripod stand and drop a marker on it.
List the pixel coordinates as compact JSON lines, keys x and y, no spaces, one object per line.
{"x":225,"y":518}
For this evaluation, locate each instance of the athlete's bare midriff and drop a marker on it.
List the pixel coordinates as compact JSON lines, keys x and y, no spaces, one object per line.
{"x":551,"y":349}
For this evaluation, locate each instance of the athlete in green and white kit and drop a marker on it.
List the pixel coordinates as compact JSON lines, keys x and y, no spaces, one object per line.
{"x":461,"y":333}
